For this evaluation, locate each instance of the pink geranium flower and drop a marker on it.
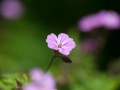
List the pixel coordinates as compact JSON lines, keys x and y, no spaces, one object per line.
{"x":63,"y":43}
{"x":40,"y":81}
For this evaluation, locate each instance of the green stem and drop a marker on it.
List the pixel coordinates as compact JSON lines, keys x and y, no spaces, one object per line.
{"x":50,"y":63}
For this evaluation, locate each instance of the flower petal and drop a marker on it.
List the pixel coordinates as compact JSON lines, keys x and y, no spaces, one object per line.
{"x":62,"y":37}
{"x":53,"y":46}
{"x":52,"y":41}
{"x":70,"y":44}
{"x":64,"y":51}
{"x":65,"y":40}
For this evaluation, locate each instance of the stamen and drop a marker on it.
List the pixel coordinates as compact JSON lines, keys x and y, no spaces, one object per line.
{"x":60,"y":45}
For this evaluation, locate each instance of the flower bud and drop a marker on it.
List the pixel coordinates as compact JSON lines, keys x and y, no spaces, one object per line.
{"x":66,"y":59}
{"x":19,"y":84}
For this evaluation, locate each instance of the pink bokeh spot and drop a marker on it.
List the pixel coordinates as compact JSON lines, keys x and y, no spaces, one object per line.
{"x":11,"y":9}
{"x":63,"y":43}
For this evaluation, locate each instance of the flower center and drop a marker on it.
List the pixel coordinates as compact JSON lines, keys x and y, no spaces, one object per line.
{"x":60,"y":45}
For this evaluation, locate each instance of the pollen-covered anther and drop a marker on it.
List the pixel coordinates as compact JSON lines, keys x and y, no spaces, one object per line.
{"x":60,"y":45}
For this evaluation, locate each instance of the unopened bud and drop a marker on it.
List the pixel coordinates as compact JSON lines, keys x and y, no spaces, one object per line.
{"x":66,"y":59}
{"x":19,"y":84}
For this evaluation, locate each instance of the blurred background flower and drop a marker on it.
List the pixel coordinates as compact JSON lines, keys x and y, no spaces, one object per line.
{"x":11,"y":9}
{"x":107,"y":19}
{"x":40,"y":81}
{"x":111,"y":20}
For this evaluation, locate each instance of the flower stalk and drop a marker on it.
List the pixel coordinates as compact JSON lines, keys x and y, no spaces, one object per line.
{"x":50,"y":63}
